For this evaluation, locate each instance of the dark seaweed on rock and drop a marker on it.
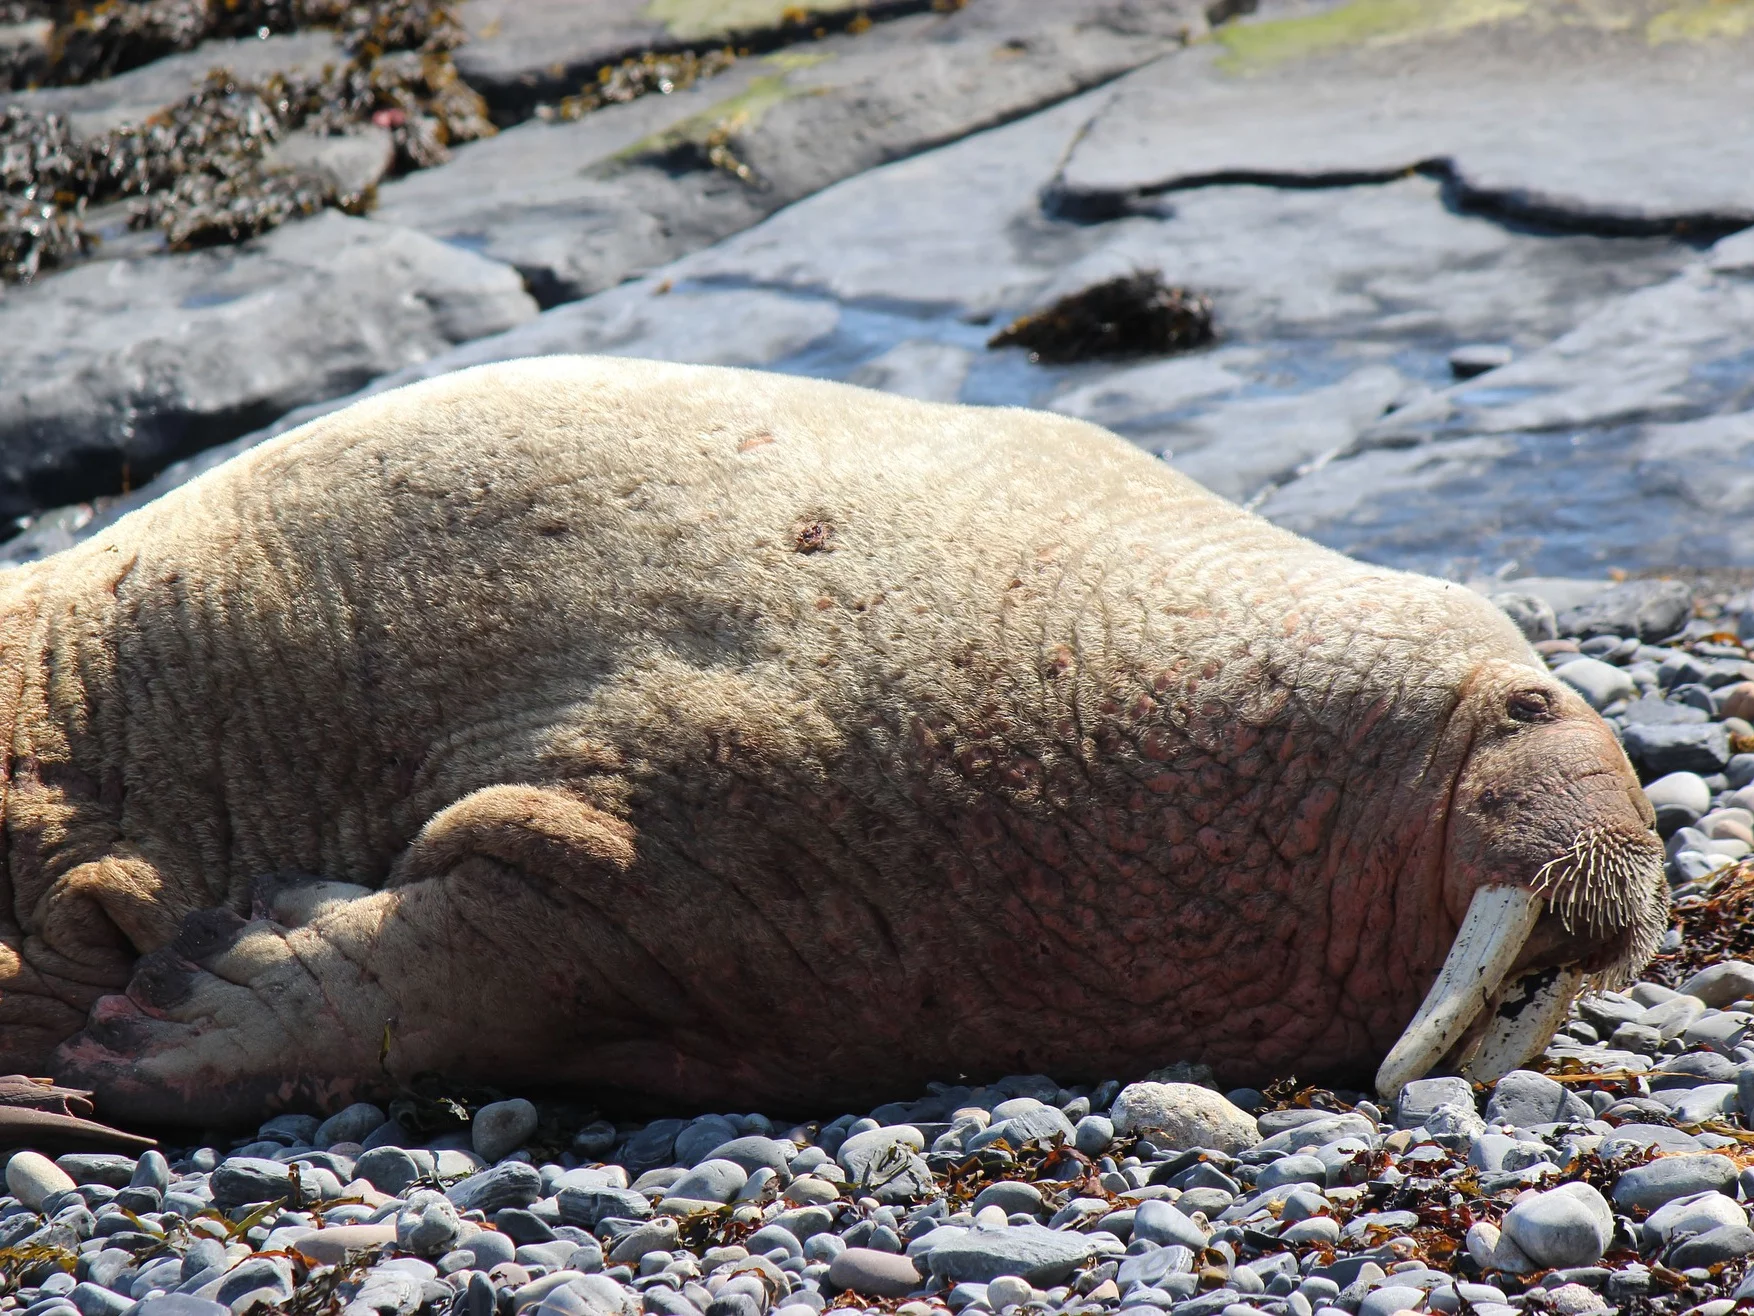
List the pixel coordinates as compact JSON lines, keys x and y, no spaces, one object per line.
{"x":85,"y":44}
{"x":1134,"y":315}
{"x":198,"y":170}
{"x":644,"y":75}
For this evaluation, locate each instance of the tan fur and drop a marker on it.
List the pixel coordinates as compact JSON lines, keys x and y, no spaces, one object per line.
{"x":648,"y":697}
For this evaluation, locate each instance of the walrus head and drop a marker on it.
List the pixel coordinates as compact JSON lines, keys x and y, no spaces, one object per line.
{"x":1552,"y":854}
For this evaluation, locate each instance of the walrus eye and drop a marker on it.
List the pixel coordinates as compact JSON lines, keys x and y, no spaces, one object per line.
{"x":1530,"y":706}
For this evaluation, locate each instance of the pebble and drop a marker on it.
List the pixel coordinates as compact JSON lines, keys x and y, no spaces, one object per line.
{"x":428,"y":1225}
{"x":1571,"y":1225}
{"x":1721,"y":984}
{"x":1161,"y":1223}
{"x":501,"y":1127}
{"x":1574,"y":1300}
{"x":1680,"y":799}
{"x":1647,"y":1187}
{"x":330,"y":1246}
{"x":1183,"y":1116}
{"x":352,"y":1124}
{"x":1040,"y":1255}
{"x":1010,"y":1196}
{"x":510,"y":1183}
{"x":1697,"y":1214}
{"x":658,"y":1235}
{"x":1523,"y":1098}
{"x":1702,"y":747}
{"x":870,"y":1273}
{"x":1600,"y":683}
{"x":709,"y":1181}
{"x":32,"y":1177}
{"x":863,"y":1152}
{"x":1713,"y":1247}
{"x":1317,"y":1229}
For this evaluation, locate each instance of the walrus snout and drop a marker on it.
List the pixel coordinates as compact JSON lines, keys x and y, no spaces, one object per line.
{"x":1552,"y":838}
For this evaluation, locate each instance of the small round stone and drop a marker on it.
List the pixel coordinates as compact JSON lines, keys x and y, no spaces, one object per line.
{"x":31,"y":1177}
{"x":1183,"y":1116}
{"x":873,"y":1274}
{"x":501,"y":1127}
{"x":1568,"y":1226}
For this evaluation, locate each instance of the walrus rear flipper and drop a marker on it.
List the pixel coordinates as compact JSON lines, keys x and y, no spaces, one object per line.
{"x":452,"y":962}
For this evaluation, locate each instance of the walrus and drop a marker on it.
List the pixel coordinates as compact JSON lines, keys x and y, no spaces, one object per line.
{"x":713,"y":738}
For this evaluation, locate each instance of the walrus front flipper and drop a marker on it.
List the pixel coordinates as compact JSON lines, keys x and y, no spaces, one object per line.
{"x":450,"y":968}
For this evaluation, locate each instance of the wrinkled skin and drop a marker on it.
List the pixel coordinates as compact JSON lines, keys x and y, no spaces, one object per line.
{"x":748,"y":741}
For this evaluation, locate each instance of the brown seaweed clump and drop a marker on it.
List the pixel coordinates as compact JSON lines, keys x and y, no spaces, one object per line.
{"x":1134,"y":315}
{"x":643,"y":75}
{"x":1716,"y":924}
{"x":85,"y":44}
{"x":200,"y":170}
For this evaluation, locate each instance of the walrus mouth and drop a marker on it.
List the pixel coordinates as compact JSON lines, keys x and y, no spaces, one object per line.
{"x":1482,"y":1017}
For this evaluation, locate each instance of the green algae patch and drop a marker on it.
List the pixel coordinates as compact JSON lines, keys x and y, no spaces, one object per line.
{"x":694,"y":20}
{"x":704,"y":139}
{"x":1254,"y":46}
{"x":1702,"y":20}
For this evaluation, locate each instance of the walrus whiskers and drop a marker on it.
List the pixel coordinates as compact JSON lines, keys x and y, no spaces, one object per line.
{"x":1601,"y":883}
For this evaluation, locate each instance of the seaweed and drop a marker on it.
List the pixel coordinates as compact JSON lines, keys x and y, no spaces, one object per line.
{"x":1716,"y":924}
{"x":653,"y":73}
{"x":199,"y":170}
{"x":1134,"y":315}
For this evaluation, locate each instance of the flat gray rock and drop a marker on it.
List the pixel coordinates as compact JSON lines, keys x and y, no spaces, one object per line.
{"x":1562,"y":121}
{"x":578,"y":207}
{"x":114,"y":368}
{"x":521,"y":52}
{"x":1329,"y":399}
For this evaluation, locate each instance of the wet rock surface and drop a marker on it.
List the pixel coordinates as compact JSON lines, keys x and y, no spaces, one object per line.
{"x":120,"y":366}
{"x":1398,"y":371}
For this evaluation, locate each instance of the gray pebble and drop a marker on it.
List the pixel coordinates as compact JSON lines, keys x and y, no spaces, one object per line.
{"x":1093,"y":1134}
{"x":1424,"y":1095}
{"x":428,"y":1225}
{"x":1647,"y":1187}
{"x":239,"y":1180}
{"x":1567,"y":1226}
{"x":388,"y":1169}
{"x":1389,"y":1299}
{"x":290,"y":1130}
{"x":1292,"y":1169}
{"x":501,"y":1127}
{"x":510,"y":1183}
{"x":353,"y":1123}
{"x":710,"y":1181}
{"x":1040,"y":1255}
{"x":1524,"y":1098}
{"x":1725,"y":1243}
{"x":657,"y":1235}
{"x":1598,"y":682}
{"x":1010,"y":1196}
{"x":699,"y":1138}
{"x":757,"y":1152}
{"x":1161,"y":1223}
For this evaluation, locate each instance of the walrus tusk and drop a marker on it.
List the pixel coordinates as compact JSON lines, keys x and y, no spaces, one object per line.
{"x":1524,"y":1023}
{"x":1499,"y":921}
